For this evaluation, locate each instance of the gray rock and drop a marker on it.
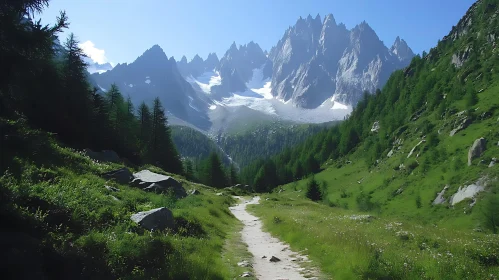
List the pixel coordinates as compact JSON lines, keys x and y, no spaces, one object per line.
{"x":390,"y":153}
{"x":274,"y":259}
{"x":492,"y":162}
{"x":413,"y":149}
{"x":476,"y":150}
{"x":461,"y":124}
{"x":155,"y":219}
{"x":114,"y":198}
{"x":121,"y":176}
{"x":194,"y":192}
{"x":112,"y":189}
{"x":154,"y":182}
{"x":375,"y":127}
{"x":246,"y":274}
{"x":440,"y":197}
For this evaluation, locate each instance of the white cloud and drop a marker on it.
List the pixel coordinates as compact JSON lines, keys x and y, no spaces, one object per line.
{"x":97,"y":55}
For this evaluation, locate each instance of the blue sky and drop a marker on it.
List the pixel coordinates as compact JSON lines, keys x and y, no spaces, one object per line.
{"x":120,"y":30}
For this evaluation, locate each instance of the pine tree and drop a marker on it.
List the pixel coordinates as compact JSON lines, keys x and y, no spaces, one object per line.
{"x":163,"y":151}
{"x":233,"y":176}
{"x":145,"y":128}
{"x":313,"y":190}
{"x":213,"y":172}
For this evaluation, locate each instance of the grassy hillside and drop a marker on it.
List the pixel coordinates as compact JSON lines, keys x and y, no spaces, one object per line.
{"x":371,"y":171}
{"x":60,"y":222}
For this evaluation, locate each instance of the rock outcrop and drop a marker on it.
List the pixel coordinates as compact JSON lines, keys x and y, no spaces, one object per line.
{"x":155,"y":219}
{"x":476,"y":150}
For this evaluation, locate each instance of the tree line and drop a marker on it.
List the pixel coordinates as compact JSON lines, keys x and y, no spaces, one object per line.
{"x":47,"y":84}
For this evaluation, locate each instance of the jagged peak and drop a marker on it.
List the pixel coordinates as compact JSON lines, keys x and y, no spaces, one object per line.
{"x":318,"y":17}
{"x":196,"y":58}
{"x":329,"y":19}
{"x":212,"y":56}
{"x":155,"y":51}
{"x":183,"y":59}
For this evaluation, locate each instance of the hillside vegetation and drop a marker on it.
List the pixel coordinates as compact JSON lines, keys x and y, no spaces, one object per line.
{"x":383,"y":168}
{"x":265,"y":139}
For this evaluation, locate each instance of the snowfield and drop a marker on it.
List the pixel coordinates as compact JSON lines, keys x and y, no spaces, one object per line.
{"x":258,"y":97}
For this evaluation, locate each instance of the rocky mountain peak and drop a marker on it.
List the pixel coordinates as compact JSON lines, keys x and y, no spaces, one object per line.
{"x":401,"y":50}
{"x":329,"y":20}
{"x":183,"y":59}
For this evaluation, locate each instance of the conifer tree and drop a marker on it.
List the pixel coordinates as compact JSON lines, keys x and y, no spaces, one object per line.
{"x":313,"y":190}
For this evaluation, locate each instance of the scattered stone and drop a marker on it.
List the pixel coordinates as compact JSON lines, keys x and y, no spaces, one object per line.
{"x":155,"y":219}
{"x":274,"y":259}
{"x":246,"y":274}
{"x":461,"y":123}
{"x":244,"y":264}
{"x":154,"y":182}
{"x":390,"y":153}
{"x":492,"y":162}
{"x":440,"y":197}
{"x":121,"y":176}
{"x":264,"y":257}
{"x":220,"y":194}
{"x":112,"y":189}
{"x":375,"y":127}
{"x":114,"y":198}
{"x":194,"y":192}
{"x":413,"y":149}
{"x":476,"y":150}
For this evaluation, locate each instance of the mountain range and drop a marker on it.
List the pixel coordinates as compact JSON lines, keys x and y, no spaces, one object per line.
{"x":315,"y":73}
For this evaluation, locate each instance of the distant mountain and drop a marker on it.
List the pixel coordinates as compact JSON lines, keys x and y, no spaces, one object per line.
{"x":153,"y":75}
{"x":316,"y":73}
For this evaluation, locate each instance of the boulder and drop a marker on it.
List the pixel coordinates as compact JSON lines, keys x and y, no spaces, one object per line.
{"x":159,"y":183}
{"x":121,"y":176}
{"x":492,"y":162}
{"x":476,"y":149}
{"x":155,"y":219}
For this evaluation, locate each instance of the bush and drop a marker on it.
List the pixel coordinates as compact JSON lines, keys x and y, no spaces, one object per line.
{"x":365,"y":204}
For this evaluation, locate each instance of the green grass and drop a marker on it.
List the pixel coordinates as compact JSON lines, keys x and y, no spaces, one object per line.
{"x":383,"y":248}
{"x":55,"y":199}
{"x":409,"y":238}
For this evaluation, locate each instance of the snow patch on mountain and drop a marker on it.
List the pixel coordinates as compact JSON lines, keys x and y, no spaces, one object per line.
{"x":260,"y":85}
{"x":206,"y":80}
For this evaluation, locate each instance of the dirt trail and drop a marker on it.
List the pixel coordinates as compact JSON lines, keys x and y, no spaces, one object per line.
{"x":261,"y":244}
